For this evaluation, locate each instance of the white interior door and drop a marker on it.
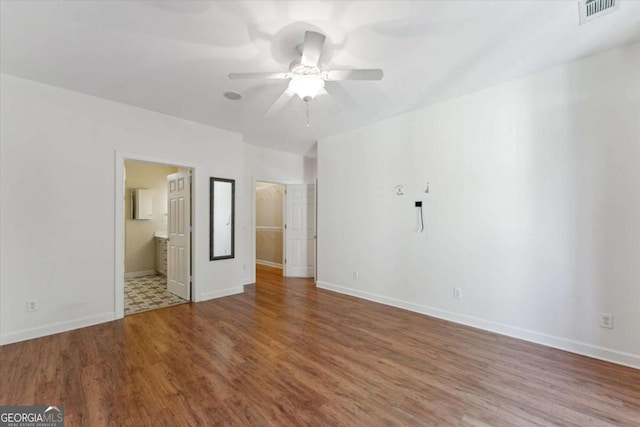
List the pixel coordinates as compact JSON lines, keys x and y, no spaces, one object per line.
{"x":300,"y":247}
{"x":179,"y":225}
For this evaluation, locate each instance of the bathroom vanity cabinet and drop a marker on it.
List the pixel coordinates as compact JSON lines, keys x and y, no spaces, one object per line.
{"x":161,"y":255}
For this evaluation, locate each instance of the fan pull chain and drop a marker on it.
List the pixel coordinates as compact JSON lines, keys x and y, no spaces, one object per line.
{"x":307,"y":113}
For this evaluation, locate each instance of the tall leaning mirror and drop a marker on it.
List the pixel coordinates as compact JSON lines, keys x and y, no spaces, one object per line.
{"x":221,"y":218}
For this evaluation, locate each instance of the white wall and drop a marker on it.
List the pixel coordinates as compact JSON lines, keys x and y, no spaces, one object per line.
{"x":262,"y":164}
{"x":534,"y":209}
{"x":57,"y":189}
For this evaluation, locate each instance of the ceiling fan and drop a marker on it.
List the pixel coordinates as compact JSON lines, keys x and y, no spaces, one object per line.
{"x":306,"y":76}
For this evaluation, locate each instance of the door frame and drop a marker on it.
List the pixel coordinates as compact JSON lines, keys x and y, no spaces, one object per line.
{"x":253,"y":222}
{"x":120,"y":158}
{"x":315,"y":235}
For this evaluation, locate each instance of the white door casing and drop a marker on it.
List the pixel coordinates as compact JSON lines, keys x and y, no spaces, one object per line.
{"x":315,"y":234}
{"x":120,"y":214}
{"x":179,"y":245}
{"x":300,"y":244}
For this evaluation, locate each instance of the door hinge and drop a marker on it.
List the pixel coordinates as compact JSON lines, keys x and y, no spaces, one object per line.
{"x":285,"y":226}
{"x":285,"y":260}
{"x":190,"y":279}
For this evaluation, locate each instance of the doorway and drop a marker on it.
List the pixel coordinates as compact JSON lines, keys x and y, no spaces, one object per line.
{"x":270,"y":203}
{"x":154,"y":234}
{"x":285,"y":228}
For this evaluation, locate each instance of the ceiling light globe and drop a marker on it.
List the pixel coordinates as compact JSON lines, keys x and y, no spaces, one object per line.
{"x":306,"y":86}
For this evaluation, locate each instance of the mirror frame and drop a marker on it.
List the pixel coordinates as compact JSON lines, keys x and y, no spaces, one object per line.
{"x":212,"y":182}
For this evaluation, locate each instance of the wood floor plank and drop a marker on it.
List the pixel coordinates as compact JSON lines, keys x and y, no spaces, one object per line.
{"x":285,"y":353}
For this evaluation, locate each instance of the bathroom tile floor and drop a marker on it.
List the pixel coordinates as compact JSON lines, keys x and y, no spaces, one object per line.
{"x":148,"y":293}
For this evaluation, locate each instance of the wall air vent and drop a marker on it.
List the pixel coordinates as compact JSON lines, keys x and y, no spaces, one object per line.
{"x":592,"y":9}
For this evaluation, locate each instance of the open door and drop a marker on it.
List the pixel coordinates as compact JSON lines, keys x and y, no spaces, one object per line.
{"x":179,"y":225}
{"x":300,"y":254}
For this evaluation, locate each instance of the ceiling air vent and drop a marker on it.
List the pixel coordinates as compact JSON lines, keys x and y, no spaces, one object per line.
{"x":592,"y":9}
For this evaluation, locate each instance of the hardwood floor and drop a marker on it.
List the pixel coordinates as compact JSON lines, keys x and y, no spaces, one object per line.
{"x":284,"y":353}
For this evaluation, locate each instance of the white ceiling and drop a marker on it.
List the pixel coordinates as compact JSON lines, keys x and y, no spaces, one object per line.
{"x":173,"y":57}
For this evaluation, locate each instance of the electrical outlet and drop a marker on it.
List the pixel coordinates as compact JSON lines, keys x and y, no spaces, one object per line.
{"x":457,"y":293}
{"x":606,"y":320}
{"x":32,"y":305}
{"x":356,"y":275}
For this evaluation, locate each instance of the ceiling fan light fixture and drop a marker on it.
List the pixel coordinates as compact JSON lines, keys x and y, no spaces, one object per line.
{"x":306,"y":86}
{"x":307,"y":78}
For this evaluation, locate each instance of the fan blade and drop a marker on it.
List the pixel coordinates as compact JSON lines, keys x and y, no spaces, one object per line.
{"x":341,"y":96}
{"x":312,"y":48}
{"x":327,"y":102}
{"x":242,"y":76}
{"x":280,"y":103}
{"x":374,"y":74}
{"x":323,"y":93}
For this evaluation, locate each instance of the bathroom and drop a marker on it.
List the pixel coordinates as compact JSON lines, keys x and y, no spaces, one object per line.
{"x":146,"y":237}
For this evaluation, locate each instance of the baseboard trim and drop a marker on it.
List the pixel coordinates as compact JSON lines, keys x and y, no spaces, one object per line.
{"x":56,"y":328}
{"x":221,"y":293}
{"x":584,"y":349}
{"x":133,"y":274}
{"x":269,"y":263}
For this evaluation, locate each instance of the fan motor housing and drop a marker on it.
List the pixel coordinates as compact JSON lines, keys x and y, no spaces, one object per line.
{"x":303,"y":70}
